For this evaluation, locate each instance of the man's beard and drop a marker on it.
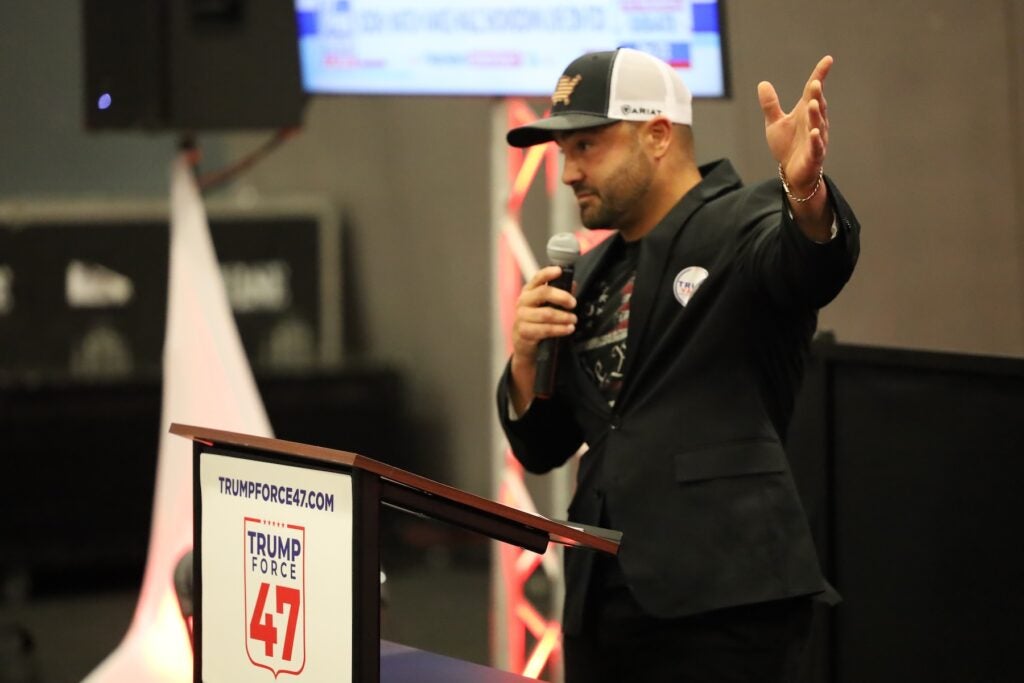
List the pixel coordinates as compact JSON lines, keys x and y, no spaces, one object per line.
{"x":623,"y":191}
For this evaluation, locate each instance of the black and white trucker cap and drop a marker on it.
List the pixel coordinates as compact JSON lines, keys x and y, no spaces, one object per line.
{"x":603,"y":87}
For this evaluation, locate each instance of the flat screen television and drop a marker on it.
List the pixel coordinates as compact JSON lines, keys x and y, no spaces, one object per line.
{"x":496,"y":47}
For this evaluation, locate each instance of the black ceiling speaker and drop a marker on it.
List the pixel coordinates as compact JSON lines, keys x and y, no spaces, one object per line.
{"x":191,"y":64}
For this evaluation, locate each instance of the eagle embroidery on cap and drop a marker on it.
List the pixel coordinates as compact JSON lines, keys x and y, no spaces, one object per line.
{"x":563,"y":91}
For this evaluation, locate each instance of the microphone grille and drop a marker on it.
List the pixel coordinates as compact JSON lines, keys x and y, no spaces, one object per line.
{"x":563,"y":249}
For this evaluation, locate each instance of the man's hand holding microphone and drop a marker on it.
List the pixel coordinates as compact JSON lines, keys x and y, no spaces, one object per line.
{"x":544,"y":314}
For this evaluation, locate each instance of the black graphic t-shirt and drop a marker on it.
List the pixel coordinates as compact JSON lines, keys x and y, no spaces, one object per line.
{"x":600,"y":339}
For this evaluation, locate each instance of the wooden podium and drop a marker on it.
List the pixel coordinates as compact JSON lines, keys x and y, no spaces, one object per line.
{"x":304,"y":603}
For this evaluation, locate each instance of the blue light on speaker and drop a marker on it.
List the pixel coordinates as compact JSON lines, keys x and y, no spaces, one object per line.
{"x":104,"y":101}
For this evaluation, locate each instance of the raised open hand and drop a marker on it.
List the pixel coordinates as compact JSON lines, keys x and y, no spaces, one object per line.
{"x":798,"y":139}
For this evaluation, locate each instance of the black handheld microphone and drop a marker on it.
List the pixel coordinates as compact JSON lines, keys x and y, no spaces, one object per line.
{"x":563,"y":250}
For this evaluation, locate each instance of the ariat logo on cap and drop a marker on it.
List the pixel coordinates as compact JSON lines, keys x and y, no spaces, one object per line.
{"x":629,"y":110}
{"x":563,"y":91}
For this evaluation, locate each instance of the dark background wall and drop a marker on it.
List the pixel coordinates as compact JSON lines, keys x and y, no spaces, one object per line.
{"x":908,"y":463}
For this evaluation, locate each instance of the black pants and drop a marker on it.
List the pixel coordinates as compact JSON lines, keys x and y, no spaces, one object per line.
{"x":762,"y":642}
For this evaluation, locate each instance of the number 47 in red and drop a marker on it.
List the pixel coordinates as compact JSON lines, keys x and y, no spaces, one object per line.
{"x":261,"y":625}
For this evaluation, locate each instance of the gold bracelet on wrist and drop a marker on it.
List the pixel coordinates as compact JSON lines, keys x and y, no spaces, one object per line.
{"x":789,"y":193}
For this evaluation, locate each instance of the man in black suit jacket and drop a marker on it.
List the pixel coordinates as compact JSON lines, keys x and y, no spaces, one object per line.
{"x":684,"y":346}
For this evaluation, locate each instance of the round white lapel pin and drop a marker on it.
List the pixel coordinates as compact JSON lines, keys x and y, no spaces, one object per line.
{"x":687,"y":282}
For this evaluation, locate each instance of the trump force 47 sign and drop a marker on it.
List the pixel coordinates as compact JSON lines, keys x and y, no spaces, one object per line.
{"x":274,"y":589}
{"x":276,"y":572}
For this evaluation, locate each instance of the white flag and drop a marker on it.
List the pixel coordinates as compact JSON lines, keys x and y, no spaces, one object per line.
{"x":207,"y":382}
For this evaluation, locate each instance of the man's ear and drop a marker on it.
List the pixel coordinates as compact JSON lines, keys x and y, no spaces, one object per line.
{"x":658,"y":135}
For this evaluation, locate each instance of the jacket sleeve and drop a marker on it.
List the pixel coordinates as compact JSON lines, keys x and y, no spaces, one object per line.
{"x":792,"y":269}
{"x":545,"y":436}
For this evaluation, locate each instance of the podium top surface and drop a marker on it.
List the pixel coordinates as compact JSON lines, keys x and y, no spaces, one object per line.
{"x":558,"y":532}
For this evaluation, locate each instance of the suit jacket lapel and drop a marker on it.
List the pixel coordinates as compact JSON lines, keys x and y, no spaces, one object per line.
{"x":655,"y":250}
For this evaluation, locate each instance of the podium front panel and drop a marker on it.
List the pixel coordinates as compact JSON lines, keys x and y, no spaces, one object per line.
{"x":275,"y":553}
